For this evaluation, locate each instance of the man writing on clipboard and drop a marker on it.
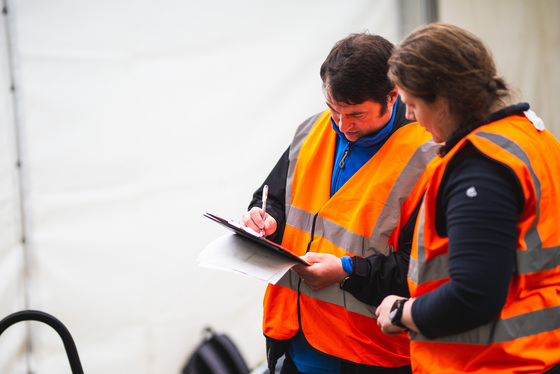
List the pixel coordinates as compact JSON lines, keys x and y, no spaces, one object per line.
{"x":336,"y":195}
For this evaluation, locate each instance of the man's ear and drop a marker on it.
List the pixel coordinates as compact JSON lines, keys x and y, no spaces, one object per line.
{"x":392,"y":97}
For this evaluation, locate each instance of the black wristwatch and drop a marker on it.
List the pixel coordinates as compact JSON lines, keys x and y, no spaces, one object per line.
{"x":396,"y":313}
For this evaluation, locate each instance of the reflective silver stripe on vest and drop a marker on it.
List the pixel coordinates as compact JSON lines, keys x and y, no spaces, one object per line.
{"x":332,"y":294}
{"x":388,"y":218}
{"x":504,"y":330}
{"x":290,"y":280}
{"x":300,"y":219}
{"x":391,"y":212}
{"x":342,"y":237}
{"x":534,"y":258}
{"x":333,"y":232}
{"x":301,"y":133}
{"x":437,"y":268}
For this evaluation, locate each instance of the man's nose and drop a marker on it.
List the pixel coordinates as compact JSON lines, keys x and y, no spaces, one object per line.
{"x":343,"y":123}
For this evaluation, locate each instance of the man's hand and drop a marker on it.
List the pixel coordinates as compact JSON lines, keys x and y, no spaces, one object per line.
{"x":326,"y":270}
{"x":253,"y":220}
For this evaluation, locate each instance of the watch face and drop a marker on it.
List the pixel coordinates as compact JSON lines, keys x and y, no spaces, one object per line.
{"x":396,"y":313}
{"x":394,"y":310}
{"x":393,"y":313}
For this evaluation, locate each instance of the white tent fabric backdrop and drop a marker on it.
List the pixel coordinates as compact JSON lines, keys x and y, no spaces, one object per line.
{"x":137,"y":117}
{"x":524,"y":37}
{"x":132,"y":119}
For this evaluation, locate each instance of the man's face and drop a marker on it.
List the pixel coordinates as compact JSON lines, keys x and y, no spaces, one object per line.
{"x":360,"y":120}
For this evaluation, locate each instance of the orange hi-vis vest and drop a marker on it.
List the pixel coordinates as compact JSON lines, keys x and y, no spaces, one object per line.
{"x":357,"y":220}
{"x":525,"y":337}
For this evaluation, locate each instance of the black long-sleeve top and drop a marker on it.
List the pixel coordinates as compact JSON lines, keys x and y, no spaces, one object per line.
{"x":482,"y":241}
{"x":482,"y":233}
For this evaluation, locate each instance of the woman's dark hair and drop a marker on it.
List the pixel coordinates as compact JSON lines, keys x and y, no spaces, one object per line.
{"x":444,"y":60}
{"x":355,"y":70}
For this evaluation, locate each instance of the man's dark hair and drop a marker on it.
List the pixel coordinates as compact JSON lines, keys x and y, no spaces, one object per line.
{"x":355,"y":70}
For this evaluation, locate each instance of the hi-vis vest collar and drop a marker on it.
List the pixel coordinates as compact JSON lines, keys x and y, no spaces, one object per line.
{"x":531,"y":316}
{"x":402,"y":158}
{"x":357,"y":220}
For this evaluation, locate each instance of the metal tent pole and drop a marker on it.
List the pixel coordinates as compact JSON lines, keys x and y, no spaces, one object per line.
{"x":11,"y":59}
{"x":414,"y":13}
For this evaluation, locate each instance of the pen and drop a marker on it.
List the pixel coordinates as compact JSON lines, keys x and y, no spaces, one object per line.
{"x":264,"y":197}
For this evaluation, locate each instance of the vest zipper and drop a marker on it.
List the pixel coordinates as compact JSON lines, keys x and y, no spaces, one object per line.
{"x":312,"y":232}
{"x":299,"y":281}
{"x":341,"y":163}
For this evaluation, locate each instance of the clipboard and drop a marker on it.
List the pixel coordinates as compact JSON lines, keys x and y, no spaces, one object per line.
{"x":255,"y":237}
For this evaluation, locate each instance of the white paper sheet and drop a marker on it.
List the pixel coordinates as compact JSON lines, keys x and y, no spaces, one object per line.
{"x":233,"y":253}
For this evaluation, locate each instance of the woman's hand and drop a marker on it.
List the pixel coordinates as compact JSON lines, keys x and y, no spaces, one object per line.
{"x":384,"y":321}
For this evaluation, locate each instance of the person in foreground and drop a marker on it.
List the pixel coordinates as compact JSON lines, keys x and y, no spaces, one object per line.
{"x":484,"y":273}
{"x":337,"y":192}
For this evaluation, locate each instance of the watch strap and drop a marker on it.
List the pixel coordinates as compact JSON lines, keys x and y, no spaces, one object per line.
{"x":397,"y":312}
